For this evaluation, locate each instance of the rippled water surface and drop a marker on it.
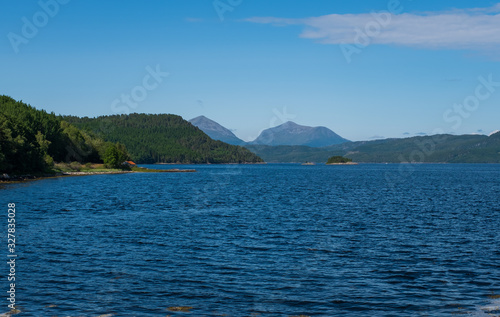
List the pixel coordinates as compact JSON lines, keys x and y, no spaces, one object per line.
{"x":264,"y":240}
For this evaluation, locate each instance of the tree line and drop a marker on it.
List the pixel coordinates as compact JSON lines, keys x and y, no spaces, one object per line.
{"x":32,"y":140}
{"x":162,"y":138}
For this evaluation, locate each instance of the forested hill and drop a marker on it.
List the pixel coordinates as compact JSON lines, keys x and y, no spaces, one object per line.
{"x":32,"y":140}
{"x":163,"y":138}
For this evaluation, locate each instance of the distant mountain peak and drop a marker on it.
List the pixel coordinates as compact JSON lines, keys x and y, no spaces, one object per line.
{"x":215,"y":130}
{"x":291,"y":133}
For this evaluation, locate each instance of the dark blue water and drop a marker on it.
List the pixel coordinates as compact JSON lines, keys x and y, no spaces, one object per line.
{"x":265,"y":240}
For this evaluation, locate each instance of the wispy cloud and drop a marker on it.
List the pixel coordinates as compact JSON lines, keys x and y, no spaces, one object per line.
{"x":474,"y":28}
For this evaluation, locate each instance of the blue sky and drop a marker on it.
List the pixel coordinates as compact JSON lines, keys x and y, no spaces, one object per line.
{"x":416,"y":67}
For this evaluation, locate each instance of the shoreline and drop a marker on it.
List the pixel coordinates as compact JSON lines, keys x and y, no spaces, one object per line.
{"x":27,"y":178}
{"x":246,"y":163}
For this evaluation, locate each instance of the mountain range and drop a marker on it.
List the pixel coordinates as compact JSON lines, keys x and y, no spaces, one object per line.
{"x":291,"y":142}
{"x":288,"y":133}
{"x":32,"y":140}
{"x":444,"y":148}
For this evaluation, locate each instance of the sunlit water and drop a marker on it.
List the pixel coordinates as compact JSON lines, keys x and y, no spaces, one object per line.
{"x":260,"y":240}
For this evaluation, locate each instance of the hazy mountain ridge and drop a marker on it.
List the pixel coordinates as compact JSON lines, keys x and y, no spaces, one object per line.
{"x":288,"y":133}
{"x":216,"y":131}
{"x":421,"y":149}
{"x":291,"y":133}
{"x":291,"y":142}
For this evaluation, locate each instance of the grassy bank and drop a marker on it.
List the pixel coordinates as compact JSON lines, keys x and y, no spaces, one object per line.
{"x":77,"y":167}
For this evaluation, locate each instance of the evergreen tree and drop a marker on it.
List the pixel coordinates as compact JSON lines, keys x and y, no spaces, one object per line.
{"x":112,"y":157}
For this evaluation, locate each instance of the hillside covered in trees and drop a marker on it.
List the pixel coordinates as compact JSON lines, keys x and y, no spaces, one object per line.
{"x":444,"y":148}
{"x":162,"y":138}
{"x":32,"y":140}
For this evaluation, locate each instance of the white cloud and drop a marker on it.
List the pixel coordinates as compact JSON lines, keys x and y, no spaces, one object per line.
{"x":475,"y":28}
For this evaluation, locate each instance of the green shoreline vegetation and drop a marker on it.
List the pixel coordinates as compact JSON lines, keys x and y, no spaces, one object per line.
{"x":77,"y":169}
{"x":32,"y":141}
{"x":74,"y":168}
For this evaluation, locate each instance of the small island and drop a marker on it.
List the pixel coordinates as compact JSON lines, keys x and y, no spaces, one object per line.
{"x":340,"y":160}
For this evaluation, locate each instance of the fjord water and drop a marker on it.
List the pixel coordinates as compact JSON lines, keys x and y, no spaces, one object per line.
{"x":260,"y":240}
